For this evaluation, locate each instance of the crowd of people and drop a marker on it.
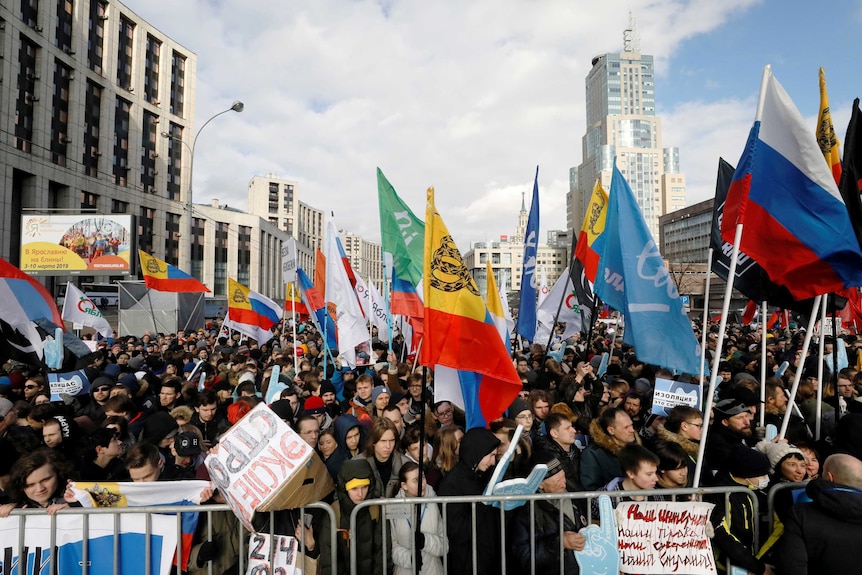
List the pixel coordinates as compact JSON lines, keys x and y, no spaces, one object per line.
{"x":148,"y":417}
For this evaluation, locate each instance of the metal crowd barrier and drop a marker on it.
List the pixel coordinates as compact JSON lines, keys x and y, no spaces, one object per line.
{"x":688,"y":494}
{"x":22,"y":567}
{"x":243,"y":535}
{"x":774,"y":491}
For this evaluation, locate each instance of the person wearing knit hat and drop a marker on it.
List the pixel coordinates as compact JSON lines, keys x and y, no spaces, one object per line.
{"x":380,"y":398}
{"x":786,"y":461}
{"x":355,"y":484}
{"x":733,"y":539}
{"x":314,"y":406}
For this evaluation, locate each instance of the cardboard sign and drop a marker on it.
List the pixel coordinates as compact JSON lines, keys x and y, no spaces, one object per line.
{"x":69,"y":383}
{"x":261,"y":464}
{"x":664,"y":537}
{"x":668,"y":394}
{"x":284,"y":556}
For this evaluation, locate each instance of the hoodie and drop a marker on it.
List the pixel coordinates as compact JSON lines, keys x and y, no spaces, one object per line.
{"x":343,"y":424}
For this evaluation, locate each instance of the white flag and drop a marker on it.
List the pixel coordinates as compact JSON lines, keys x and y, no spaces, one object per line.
{"x":544,"y":290}
{"x":569,"y":311}
{"x":288,"y":260}
{"x":348,"y":313}
{"x":379,"y":315}
{"x":78,"y":308}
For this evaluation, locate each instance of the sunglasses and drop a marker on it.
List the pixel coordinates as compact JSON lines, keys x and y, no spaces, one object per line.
{"x":31,"y":387}
{"x":104,"y":388}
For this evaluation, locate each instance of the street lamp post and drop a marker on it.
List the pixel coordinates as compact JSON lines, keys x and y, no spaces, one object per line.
{"x":186,"y":242}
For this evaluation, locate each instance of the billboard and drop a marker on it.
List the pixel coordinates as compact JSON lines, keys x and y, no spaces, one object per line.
{"x":86,"y":244}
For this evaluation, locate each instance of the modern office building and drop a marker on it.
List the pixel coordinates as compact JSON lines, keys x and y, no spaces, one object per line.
{"x":277,"y":200}
{"x":684,"y":233}
{"x":507,"y":257}
{"x":621,"y":124}
{"x":238,"y":245}
{"x":86,"y":88}
{"x":366,"y":258}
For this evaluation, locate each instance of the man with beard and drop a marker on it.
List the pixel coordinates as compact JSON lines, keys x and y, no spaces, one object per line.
{"x":731,"y":426}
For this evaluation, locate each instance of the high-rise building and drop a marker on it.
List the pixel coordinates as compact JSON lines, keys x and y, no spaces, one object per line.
{"x":366,"y":258}
{"x":621,"y":124}
{"x":277,"y":200}
{"x":86,"y":88}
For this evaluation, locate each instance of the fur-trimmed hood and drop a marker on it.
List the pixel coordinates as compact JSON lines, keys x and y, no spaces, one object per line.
{"x":691,"y":447}
{"x":601,"y":438}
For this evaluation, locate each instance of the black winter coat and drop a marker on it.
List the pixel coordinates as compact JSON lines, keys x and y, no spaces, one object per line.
{"x":547,"y":539}
{"x":821,"y":536}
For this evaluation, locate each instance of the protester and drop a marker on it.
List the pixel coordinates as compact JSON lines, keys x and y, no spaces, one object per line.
{"x":610,"y":432}
{"x":431,"y":537}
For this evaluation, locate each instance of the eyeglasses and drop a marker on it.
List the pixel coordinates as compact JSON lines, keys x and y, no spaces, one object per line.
{"x":449,"y":411}
{"x":695,"y":424}
{"x":104,"y":388}
{"x":31,"y":386}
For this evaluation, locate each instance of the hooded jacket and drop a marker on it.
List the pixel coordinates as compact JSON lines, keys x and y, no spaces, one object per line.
{"x":368,"y":536}
{"x":821,"y":536}
{"x":343,"y":424}
{"x":465,"y":479}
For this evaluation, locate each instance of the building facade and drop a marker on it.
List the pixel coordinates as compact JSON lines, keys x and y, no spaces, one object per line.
{"x":622,"y":125}
{"x":277,"y":200}
{"x":507,"y":259}
{"x":86,"y":89}
{"x":366,"y":258}
{"x":229,"y":243}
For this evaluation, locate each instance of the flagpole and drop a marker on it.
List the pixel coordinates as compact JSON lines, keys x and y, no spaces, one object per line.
{"x":705,"y":321}
{"x":713,"y":375}
{"x":293,"y":292}
{"x":798,"y":375}
{"x":388,"y":306}
{"x":818,"y":412}
{"x":416,"y":550}
{"x":762,"y":363}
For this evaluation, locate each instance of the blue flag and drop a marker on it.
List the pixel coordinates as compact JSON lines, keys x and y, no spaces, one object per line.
{"x":633,"y":279}
{"x":526,"y":326}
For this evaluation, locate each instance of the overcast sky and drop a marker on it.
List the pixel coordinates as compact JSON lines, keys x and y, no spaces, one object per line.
{"x":470,"y":96}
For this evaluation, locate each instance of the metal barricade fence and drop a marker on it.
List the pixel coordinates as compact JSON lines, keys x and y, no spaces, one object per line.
{"x":333,"y":532}
{"x":687,"y":494}
{"x":87,"y":561}
{"x":775,"y":491}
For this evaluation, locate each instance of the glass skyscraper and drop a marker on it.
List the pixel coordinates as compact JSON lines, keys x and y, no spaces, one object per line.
{"x":621,"y":124}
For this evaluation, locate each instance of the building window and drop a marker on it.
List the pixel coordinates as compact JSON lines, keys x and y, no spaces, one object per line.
{"x":220,"y":258}
{"x":124,"y":53}
{"x":175,"y":158}
{"x":172,"y":238}
{"x":145,"y":229}
{"x":63,"y":35}
{"x":26,"y":103}
{"x":92,"y":113}
{"x":197,"y":248}
{"x":151,"y":71}
{"x":119,"y":207}
{"x":244,"y":255}
{"x":29,"y":12}
{"x":121,"y":142}
{"x":96,"y":35}
{"x":178,"y":82}
{"x":60,"y":116}
{"x":89,"y":202}
{"x":148,"y":152}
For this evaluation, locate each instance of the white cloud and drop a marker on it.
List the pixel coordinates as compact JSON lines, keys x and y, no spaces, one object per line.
{"x":467,"y":97}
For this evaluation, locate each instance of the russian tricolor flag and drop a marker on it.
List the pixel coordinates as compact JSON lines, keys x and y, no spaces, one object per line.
{"x":796,"y":225}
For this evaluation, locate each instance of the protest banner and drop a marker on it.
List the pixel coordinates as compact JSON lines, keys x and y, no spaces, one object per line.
{"x":664,"y":537}
{"x":283,"y":557}
{"x":669,"y":393}
{"x":261,"y":464}
{"x":131,"y":545}
{"x":70,"y":383}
